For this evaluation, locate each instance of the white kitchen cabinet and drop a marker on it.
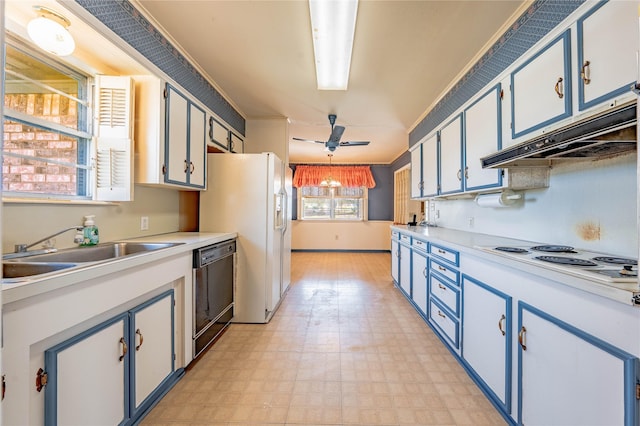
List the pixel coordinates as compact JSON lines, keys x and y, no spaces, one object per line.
{"x":417,"y":182}
{"x":419,"y":274}
{"x":405,"y":264}
{"x":395,"y":257}
{"x":430,"y":168}
{"x":541,"y":88}
{"x":607,"y":46}
{"x":483,"y":136}
{"x":95,"y":358}
{"x":451,"y":156}
{"x":185,"y":141}
{"x":128,"y":358}
{"x":569,"y":377}
{"x":236,"y":143}
{"x":152,"y":348}
{"x":170,"y":136}
{"x":218,"y":134}
{"x":487,"y":338}
{"x":444,"y":294}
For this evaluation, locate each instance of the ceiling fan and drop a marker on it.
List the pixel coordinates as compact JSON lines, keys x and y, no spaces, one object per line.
{"x":334,"y":138}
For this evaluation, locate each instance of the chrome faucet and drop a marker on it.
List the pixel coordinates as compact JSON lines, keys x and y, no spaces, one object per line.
{"x":21,"y":248}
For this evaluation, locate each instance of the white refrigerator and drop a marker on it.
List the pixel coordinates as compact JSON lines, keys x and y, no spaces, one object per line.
{"x":247,"y":194}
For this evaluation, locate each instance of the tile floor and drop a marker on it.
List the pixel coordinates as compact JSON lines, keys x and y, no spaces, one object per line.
{"x":344,"y":348}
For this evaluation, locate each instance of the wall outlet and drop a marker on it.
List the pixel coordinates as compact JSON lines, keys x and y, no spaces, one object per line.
{"x":144,"y":223}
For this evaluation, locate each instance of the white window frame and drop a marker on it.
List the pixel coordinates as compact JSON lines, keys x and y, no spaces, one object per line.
{"x":364,"y":210}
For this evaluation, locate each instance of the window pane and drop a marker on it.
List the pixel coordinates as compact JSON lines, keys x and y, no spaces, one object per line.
{"x":25,"y":173}
{"x":347,"y":208}
{"x":316,"y":208}
{"x":38,"y":90}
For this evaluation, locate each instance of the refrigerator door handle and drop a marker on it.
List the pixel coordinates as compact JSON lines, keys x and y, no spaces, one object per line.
{"x":279,"y":212}
{"x":285,"y":211}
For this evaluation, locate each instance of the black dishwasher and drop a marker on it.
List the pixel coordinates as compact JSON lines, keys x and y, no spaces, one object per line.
{"x":213,"y":292}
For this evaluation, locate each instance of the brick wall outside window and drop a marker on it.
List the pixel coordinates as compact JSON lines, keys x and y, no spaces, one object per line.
{"x":26,"y":175}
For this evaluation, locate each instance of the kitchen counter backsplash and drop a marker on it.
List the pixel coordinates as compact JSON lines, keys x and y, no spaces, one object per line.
{"x":588,"y":205}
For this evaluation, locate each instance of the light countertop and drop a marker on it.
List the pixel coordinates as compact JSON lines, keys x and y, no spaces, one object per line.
{"x":13,"y":291}
{"x":471,"y":243}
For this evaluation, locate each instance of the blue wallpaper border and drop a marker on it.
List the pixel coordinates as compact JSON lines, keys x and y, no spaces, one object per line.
{"x":536,"y":22}
{"x":129,"y":24}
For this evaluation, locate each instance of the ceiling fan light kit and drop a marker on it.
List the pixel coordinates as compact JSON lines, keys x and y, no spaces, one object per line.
{"x":333,"y":26}
{"x":329,"y":180}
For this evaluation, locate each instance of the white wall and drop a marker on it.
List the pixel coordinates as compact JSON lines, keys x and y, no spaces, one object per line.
{"x":588,"y":205}
{"x":268,"y":135}
{"x":312,"y":235}
{"x":27,"y":223}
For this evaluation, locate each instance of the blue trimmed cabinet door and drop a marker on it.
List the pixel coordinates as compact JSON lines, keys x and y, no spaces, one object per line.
{"x":87,"y":380}
{"x":152,"y":350}
{"x":416,"y":172}
{"x":541,"y":88}
{"x":430,"y":168}
{"x":486,"y":338}
{"x":569,"y":377}
{"x":405,"y":264}
{"x":419,"y":278}
{"x":451,"y":156}
{"x":607,"y":45}
{"x":395,"y":258}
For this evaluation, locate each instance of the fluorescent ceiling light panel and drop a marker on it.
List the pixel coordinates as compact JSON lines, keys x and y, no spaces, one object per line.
{"x":333,"y":24}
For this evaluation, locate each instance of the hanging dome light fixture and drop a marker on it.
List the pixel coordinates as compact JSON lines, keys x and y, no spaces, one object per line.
{"x":49,"y":32}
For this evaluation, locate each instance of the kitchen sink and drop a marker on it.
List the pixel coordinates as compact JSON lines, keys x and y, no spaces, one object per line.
{"x":96,"y":253}
{"x":27,"y":269}
{"x":37,"y":264}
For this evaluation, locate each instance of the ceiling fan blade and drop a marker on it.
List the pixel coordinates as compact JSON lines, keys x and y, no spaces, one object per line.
{"x":307,"y":140}
{"x":354,"y":143}
{"x":336,"y":134}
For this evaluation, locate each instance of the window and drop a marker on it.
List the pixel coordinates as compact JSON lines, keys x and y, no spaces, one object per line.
{"x":338,"y":203}
{"x":47,"y":140}
{"x":50,"y":149}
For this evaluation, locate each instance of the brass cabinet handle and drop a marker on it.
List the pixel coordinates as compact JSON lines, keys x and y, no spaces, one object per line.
{"x":441,"y":287}
{"x":186,"y":166}
{"x":424,"y":272}
{"x":440,"y":268}
{"x":500,"y":321}
{"x":459,"y":174}
{"x":141,"y":340}
{"x":585,"y":72}
{"x":124,"y":349}
{"x":558,"y":88}
{"x":466,"y":172}
{"x":521,"y":338}
{"x":192,"y":167}
{"x":441,"y":314}
{"x":441,"y":251}
{"x":41,"y":379}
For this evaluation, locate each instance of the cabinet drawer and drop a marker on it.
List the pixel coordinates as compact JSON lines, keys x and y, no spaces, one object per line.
{"x":445,"y":293}
{"x":446,"y":271}
{"x":444,"y":323}
{"x":405,"y":239}
{"x":420,"y":245}
{"x":445,"y":254}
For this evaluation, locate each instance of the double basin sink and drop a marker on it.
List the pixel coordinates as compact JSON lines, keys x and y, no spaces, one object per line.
{"x":16,"y":267}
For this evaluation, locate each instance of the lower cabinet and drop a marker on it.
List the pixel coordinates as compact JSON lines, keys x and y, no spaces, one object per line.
{"x":419,"y":280}
{"x":569,"y":377}
{"x":395,"y":258}
{"x":114,"y":372}
{"x":487,"y":337}
{"x":405,"y":267}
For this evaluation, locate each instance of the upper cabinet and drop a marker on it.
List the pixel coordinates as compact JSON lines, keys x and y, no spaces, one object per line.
{"x":483,"y":136}
{"x":607,"y":46}
{"x":236,"y":143}
{"x":451,"y":156}
{"x":425,"y":180}
{"x":218,"y":134}
{"x":541,"y":88}
{"x":185,"y":151}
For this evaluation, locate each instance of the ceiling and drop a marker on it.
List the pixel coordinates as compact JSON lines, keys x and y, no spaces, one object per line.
{"x":259,"y":54}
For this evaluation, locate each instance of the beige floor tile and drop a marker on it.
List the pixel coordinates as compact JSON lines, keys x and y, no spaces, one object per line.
{"x":344,"y":348}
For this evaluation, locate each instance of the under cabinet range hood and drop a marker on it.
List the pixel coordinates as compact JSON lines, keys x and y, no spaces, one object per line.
{"x":605,"y":135}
